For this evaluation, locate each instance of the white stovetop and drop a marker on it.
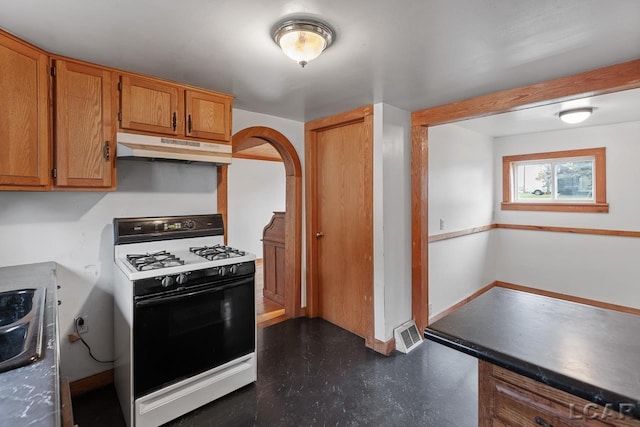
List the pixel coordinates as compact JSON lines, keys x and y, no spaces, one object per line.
{"x":179,"y":248}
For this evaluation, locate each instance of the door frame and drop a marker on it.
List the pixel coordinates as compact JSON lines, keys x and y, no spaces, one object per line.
{"x":258,"y":135}
{"x":362,"y":114}
{"x":610,"y":79}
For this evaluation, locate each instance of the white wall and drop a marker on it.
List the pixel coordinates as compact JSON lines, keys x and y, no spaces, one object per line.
{"x":392,"y":219}
{"x":256,"y":189}
{"x":75,"y":230}
{"x":293,"y":130}
{"x":461,"y":173}
{"x":600,"y":268}
{"x":603,"y":268}
{"x":459,"y":267}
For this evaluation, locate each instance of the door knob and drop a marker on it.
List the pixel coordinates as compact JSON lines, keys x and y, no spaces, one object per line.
{"x":319,"y":234}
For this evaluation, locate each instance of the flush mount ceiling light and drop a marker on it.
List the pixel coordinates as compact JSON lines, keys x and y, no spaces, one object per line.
{"x":303,"y":39}
{"x":576,"y":115}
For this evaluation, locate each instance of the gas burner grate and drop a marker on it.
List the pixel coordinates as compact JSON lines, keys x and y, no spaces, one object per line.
{"x":217,"y":252}
{"x":154,"y":261}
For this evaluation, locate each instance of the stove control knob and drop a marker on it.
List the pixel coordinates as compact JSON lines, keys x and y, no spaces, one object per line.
{"x":189,"y":224}
{"x":167,"y":281}
{"x":222,"y":271}
{"x":233,"y":269}
{"x":181,"y":279}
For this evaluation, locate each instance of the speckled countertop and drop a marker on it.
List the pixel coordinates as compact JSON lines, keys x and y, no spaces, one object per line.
{"x":30,"y":395}
{"x":590,"y":352}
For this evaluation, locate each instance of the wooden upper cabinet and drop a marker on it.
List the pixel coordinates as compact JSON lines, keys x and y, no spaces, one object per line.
{"x":84,"y":138}
{"x":208,"y":115}
{"x":154,"y":106}
{"x":149,"y":105}
{"x":83,"y":101}
{"x":24,"y":136}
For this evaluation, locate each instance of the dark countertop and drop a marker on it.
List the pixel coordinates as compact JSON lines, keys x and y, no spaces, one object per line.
{"x":31,"y":394}
{"x":587,"y":351}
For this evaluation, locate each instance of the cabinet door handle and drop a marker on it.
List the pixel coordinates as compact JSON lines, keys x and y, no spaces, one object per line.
{"x":189,"y":124}
{"x":319,"y":234}
{"x":106,"y":151}
{"x":175,"y":121}
{"x":542,"y":422}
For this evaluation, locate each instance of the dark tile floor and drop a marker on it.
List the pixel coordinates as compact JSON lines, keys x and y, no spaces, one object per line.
{"x":312,"y":373}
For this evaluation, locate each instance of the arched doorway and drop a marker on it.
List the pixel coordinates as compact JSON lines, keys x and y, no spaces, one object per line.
{"x":293,"y":217}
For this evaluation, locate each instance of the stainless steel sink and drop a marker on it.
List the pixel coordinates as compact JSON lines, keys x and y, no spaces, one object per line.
{"x":21,"y":327}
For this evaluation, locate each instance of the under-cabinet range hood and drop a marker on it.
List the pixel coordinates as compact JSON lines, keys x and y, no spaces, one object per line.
{"x":135,"y":146}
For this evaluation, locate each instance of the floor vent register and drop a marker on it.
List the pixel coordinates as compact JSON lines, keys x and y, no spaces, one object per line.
{"x":407,"y":337}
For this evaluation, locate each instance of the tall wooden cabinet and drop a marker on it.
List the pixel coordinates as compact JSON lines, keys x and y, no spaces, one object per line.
{"x":84,"y":135}
{"x":273,"y":256}
{"x":24,"y":129}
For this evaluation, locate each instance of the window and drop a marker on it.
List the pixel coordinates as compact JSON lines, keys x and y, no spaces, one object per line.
{"x":566,"y":181}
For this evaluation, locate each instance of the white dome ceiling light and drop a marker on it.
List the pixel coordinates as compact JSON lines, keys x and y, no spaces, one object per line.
{"x":577,"y":115}
{"x":303,"y":39}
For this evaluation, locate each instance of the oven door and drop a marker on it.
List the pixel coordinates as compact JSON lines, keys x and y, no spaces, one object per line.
{"x":180,"y":335}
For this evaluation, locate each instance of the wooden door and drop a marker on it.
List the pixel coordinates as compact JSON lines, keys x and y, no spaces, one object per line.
{"x":24,"y":136}
{"x":208,"y":115}
{"x":344,"y":204}
{"x":84,"y":138}
{"x":149,"y":106}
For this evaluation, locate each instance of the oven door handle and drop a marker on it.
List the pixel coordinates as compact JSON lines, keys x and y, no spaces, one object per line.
{"x":159,"y":300}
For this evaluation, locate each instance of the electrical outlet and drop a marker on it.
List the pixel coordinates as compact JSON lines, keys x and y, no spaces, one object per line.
{"x":82,"y":324}
{"x":441,"y":224}
{"x":430,"y":308}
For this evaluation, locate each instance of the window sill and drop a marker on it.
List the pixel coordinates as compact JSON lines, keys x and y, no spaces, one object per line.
{"x":557,"y":207}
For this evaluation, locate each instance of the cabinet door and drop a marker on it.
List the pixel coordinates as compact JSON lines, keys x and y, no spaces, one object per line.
{"x":24,"y":138}
{"x":149,"y":106}
{"x":208,"y":115}
{"x":84,"y":138}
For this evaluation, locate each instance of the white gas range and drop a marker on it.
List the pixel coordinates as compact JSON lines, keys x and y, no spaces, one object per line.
{"x":184,"y":316}
{"x":173,"y":257}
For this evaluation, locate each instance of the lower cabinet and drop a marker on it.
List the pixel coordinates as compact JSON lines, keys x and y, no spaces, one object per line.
{"x":66,"y":408}
{"x":507,"y":399}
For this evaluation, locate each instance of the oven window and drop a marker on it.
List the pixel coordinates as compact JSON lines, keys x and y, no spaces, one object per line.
{"x":184,"y":335}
